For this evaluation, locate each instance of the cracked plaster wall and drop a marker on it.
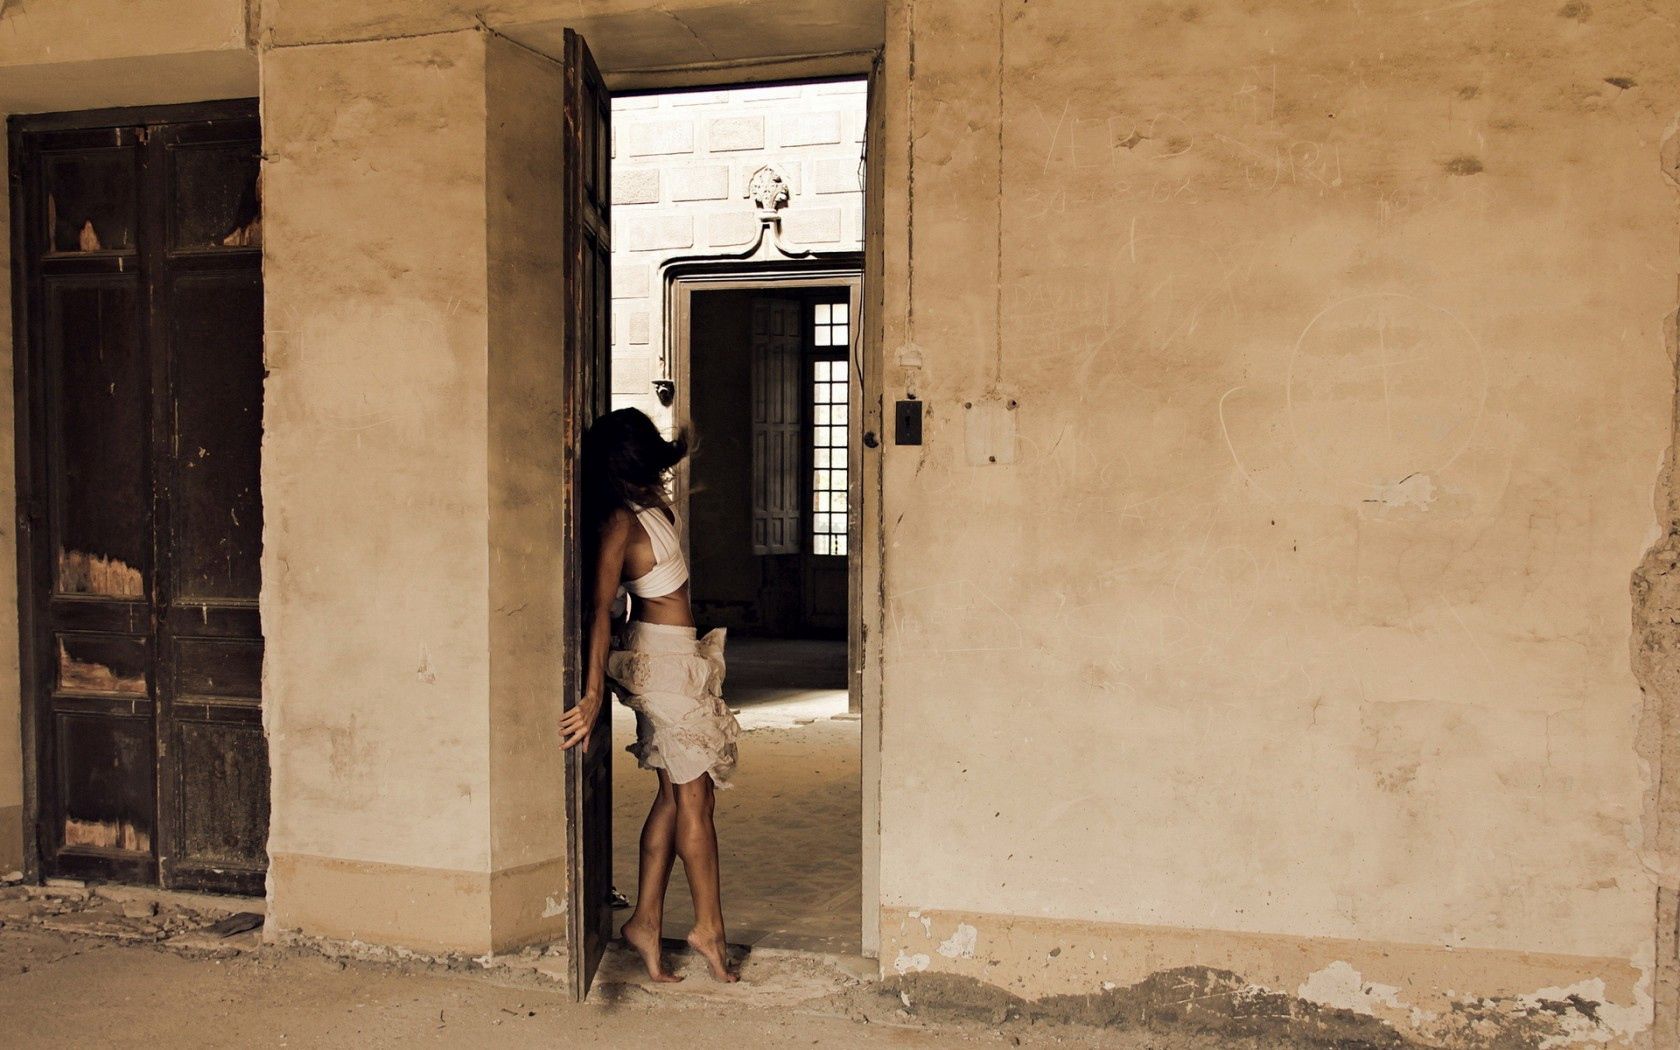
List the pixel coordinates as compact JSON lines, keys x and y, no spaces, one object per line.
{"x":1338,"y":343}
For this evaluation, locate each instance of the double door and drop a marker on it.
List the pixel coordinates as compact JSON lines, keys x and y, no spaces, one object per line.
{"x":139,"y":372}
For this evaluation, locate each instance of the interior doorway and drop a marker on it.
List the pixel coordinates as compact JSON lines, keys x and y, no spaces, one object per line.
{"x":753,"y":349}
{"x":769,"y":376}
{"x":765,"y":360}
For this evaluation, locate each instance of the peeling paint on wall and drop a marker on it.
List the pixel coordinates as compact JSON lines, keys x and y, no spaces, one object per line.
{"x":1341,"y":986}
{"x":960,"y":945}
{"x":1413,"y":490}
{"x":1406,"y":994}
{"x":1335,"y":1008}
{"x":1584,"y":1014}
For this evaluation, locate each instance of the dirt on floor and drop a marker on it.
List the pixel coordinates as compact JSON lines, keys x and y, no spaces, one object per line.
{"x":91,"y":966}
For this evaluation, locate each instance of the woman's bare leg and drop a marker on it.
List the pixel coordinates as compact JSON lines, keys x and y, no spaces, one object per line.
{"x":659,"y":832}
{"x":697,"y":845}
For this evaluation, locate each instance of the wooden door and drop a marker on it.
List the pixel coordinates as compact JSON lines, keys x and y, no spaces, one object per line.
{"x":588,"y":350}
{"x":774,"y":403}
{"x":776,"y":371}
{"x":137,"y":259}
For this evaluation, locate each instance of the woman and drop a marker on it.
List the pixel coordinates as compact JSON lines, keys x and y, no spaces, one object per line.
{"x":670,"y":678}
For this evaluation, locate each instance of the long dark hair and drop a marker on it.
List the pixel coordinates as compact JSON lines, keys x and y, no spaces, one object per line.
{"x":626,"y":462}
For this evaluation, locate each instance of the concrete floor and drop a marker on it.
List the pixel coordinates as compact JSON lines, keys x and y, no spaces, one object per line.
{"x":789,"y":831}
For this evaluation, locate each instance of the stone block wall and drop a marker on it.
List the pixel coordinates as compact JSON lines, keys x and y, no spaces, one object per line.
{"x":682,"y":162}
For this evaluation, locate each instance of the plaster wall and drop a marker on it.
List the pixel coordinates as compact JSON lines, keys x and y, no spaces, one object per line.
{"x":1335,"y":342}
{"x":57,"y":55}
{"x":54,"y":31}
{"x":525,"y":180}
{"x":414,"y":558}
{"x":630,"y":38}
{"x":376,"y":487}
{"x":1332,"y":343}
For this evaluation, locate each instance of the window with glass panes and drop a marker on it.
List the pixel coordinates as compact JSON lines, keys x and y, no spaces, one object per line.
{"x":830,"y":382}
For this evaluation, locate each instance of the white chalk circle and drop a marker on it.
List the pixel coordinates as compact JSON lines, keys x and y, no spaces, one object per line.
{"x":1384,"y":386}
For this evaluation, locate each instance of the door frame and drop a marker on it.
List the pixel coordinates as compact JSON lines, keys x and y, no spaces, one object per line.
{"x":681,"y":280}
{"x":680,"y":289}
{"x":865,"y":584}
{"x":32,"y":448}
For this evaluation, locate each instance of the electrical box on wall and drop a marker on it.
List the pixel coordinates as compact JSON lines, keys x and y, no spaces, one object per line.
{"x":907,"y":423}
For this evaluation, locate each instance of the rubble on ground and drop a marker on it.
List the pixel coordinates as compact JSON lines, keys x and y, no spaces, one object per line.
{"x":187,"y":922}
{"x":202,"y":925}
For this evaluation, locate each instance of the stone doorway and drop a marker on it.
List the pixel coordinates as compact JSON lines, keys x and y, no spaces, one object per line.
{"x":738,"y":298}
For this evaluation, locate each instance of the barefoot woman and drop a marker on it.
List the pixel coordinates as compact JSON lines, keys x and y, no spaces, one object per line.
{"x":667,"y":675}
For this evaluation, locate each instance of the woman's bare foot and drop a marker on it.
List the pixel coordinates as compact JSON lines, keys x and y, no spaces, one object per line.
{"x":715,"y":951}
{"x":646,"y":943}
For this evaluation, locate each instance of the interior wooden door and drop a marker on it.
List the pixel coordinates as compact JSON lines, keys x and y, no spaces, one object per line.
{"x":588,"y":351}
{"x":137,"y":259}
{"x":776,"y":372}
{"x":207,"y":378}
{"x":774,"y":404}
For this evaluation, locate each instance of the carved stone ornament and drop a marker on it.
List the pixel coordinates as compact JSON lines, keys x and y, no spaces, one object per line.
{"x":769,"y":190}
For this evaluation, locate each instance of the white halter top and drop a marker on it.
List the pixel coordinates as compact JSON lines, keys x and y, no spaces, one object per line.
{"x":670,"y":568}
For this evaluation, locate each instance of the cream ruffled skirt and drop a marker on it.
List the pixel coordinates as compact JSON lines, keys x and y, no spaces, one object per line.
{"x":674,"y":683}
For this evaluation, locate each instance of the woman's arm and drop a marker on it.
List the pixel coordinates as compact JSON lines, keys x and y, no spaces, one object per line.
{"x":579,"y":721}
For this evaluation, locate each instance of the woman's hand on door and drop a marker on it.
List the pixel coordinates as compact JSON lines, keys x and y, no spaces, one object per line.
{"x":578,"y":723}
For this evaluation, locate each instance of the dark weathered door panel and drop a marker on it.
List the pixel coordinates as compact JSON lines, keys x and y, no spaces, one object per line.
{"x":776,"y":368}
{"x":138,"y":263}
{"x":588,"y":357}
{"x":98,"y":388}
{"x":92,"y":513}
{"x":215,"y":763}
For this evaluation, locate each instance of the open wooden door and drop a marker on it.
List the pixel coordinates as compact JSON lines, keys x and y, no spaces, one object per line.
{"x":588,"y":350}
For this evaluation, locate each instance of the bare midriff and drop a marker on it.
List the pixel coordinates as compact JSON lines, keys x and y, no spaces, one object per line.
{"x":670,"y":609}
